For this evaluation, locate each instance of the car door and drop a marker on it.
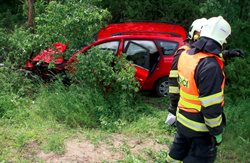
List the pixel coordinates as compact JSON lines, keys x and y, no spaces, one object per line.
{"x":136,"y":52}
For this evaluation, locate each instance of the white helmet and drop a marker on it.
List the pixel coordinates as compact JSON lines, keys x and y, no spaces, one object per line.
{"x":216,"y":28}
{"x":196,"y":26}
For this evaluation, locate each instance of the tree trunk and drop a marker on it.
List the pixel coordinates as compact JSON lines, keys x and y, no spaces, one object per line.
{"x":30,"y":13}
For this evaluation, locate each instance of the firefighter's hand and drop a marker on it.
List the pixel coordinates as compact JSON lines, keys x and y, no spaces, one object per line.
{"x":228,"y":54}
{"x":218,"y":139}
{"x":171,"y":119}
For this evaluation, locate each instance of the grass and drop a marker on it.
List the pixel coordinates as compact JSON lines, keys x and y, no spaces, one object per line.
{"x":27,"y":131}
{"x":236,"y":144}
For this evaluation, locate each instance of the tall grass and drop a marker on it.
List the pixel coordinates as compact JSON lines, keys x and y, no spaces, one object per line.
{"x":236,"y":144}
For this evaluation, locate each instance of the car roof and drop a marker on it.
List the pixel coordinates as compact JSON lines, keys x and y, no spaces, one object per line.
{"x":142,"y":28}
{"x":140,"y":37}
{"x":179,"y":40}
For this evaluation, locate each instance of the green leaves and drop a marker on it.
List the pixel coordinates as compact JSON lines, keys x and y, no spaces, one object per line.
{"x":113,"y":78}
{"x":70,"y":22}
{"x":102,"y":69}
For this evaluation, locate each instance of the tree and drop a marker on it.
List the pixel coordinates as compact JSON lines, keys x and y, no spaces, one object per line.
{"x":30,"y":13}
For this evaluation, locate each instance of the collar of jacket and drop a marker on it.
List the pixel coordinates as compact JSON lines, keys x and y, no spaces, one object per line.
{"x":205,"y":44}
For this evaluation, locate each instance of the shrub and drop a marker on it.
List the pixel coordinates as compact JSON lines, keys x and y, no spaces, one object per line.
{"x":102,"y":69}
{"x":72,"y":22}
{"x":237,"y":73}
{"x":102,"y":93}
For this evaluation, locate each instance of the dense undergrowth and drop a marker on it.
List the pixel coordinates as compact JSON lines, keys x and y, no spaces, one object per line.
{"x":102,"y":97}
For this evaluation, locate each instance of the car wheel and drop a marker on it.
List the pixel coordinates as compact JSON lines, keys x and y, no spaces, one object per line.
{"x":161,"y":87}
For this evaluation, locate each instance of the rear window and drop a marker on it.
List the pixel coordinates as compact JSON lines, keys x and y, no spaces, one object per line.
{"x":168,"y":48}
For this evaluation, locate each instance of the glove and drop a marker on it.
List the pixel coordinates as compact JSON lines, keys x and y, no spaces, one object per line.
{"x":228,"y":54}
{"x":218,"y":139}
{"x":171,"y":119}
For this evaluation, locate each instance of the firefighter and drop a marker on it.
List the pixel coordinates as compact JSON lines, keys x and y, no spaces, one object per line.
{"x":193,"y":35}
{"x":200,"y":107}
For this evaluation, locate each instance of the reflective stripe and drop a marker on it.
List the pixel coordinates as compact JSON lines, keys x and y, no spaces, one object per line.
{"x":212,"y":99}
{"x":188,"y":96}
{"x":213,"y":122}
{"x":171,"y":160}
{"x":173,"y":89}
{"x":173,"y":74}
{"x":189,"y":105}
{"x":190,"y":110}
{"x":196,"y":126}
{"x":221,"y":57}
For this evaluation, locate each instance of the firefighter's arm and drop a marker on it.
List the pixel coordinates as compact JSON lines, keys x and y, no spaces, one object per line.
{"x":211,"y":94}
{"x":229,"y":54}
{"x":174,"y":91}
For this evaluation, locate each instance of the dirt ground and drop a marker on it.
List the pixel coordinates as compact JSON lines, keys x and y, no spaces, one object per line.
{"x":112,"y":149}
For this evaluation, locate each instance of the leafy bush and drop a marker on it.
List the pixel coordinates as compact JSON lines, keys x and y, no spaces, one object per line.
{"x":102,"y":69}
{"x":102,"y":93}
{"x":114,"y":78}
{"x":172,"y":11}
{"x":72,"y":22}
{"x":238,"y":73}
{"x":14,"y":82}
{"x":3,"y":44}
{"x":11,"y":14}
{"x":21,"y":43}
{"x":6,"y":104}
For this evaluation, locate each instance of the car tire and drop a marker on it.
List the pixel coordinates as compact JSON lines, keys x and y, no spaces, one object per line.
{"x":161,"y":87}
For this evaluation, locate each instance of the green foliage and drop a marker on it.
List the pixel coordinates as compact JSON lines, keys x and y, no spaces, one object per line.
{"x":237,"y":14}
{"x":102,"y":69}
{"x":20,"y":44}
{"x":71,"y":22}
{"x":3,"y":43}
{"x":72,"y":106}
{"x":172,"y":11}
{"x":238,"y":73}
{"x":185,"y":12}
{"x":11,"y":14}
{"x":14,"y":82}
{"x":74,"y":23}
{"x":102,"y":93}
{"x":6,"y":104}
{"x":55,"y":143}
{"x":236,"y":137}
{"x":114,"y":78}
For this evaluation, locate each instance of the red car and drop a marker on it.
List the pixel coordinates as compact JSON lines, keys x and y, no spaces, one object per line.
{"x":149,"y":45}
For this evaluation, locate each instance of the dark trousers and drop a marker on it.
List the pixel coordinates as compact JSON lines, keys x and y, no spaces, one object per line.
{"x":193,"y":150}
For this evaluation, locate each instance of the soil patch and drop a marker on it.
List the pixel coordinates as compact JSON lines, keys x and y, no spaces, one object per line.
{"x":112,"y":149}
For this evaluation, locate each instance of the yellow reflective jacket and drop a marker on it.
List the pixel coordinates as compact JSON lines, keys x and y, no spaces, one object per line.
{"x":190,"y":103}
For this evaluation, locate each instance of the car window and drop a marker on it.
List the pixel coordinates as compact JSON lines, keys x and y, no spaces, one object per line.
{"x":168,"y":48}
{"x":112,"y":46}
{"x":141,"y":52}
{"x":150,"y":45}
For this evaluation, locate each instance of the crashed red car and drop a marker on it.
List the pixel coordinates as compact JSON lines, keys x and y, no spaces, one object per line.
{"x":149,"y":45}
